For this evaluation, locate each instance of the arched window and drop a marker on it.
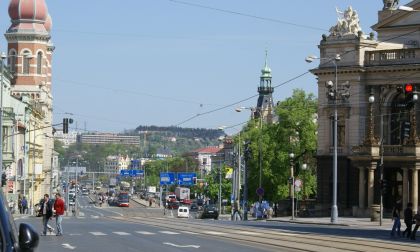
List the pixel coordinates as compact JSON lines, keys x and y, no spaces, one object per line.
{"x":12,"y":61}
{"x":39,"y":63}
{"x":26,"y":62}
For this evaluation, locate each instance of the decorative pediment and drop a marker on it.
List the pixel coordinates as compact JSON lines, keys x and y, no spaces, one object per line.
{"x":398,"y":18}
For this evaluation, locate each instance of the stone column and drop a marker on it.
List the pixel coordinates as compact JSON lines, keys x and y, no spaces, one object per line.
{"x":415,"y":189}
{"x":371,"y":180}
{"x":362,"y":188}
{"x":405,"y":190}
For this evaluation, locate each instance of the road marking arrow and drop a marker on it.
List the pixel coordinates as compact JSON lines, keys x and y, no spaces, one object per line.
{"x":181,"y":246}
{"x":68,"y":246}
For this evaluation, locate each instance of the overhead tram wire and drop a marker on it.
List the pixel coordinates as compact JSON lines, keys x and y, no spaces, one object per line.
{"x":281,"y":84}
{"x":247,"y":15}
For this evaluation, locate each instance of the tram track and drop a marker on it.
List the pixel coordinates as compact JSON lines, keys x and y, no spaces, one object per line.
{"x":302,"y":241}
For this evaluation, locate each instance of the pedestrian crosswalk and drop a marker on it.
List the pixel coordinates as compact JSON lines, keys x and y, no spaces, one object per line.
{"x":138,"y":232}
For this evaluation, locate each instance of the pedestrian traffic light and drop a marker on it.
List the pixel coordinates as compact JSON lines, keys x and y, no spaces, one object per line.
{"x":3,"y":179}
{"x":330,"y":90}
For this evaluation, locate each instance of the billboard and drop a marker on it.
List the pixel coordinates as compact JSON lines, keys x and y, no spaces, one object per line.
{"x":167,"y":178}
{"x":186,"y":178}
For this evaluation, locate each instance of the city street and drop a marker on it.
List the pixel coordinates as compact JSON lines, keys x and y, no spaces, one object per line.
{"x":146,"y":229}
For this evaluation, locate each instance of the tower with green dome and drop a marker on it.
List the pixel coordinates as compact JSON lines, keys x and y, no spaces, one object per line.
{"x":265,"y":105}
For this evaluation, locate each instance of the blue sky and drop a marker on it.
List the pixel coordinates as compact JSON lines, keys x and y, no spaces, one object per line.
{"x":120,"y":64}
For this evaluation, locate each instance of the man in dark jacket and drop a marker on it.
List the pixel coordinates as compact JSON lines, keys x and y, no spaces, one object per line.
{"x":46,"y":210}
{"x":408,"y":219}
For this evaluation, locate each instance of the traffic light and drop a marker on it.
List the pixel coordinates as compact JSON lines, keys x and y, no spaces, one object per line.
{"x":3,"y":179}
{"x":66,"y":122}
{"x":384,"y":186}
{"x":65,"y":125}
{"x":410,"y":91}
{"x":405,"y":131}
{"x":331,"y":92}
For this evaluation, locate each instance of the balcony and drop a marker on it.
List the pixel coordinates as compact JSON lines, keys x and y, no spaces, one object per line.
{"x":389,"y":150}
{"x":392,"y":57}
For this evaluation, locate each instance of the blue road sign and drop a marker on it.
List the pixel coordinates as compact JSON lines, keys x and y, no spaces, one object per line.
{"x":135,"y":164}
{"x":186,"y":178}
{"x":136,"y":173}
{"x":167,"y":178}
{"x":125,"y":173}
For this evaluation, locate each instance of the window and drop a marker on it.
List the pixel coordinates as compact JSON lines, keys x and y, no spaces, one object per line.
{"x":26,"y":62}
{"x":39,"y":63}
{"x":341,"y":132}
{"x":12,"y":62}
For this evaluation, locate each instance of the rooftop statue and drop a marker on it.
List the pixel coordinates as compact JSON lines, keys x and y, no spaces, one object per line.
{"x":390,"y":4}
{"x":347,"y":24}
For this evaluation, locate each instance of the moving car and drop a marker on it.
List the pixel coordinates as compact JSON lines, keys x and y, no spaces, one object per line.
{"x":194,"y":207}
{"x":210,"y":211}
{"x":183,"y":212}
{"x":10,"y":240}
{"x":72,"y":199}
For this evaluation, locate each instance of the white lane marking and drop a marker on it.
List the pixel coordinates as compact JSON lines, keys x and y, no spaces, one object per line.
{"x":94,"y":216}
{"x":188,"y":232}
{"x":68,"y":246}
{"x":214,"y":233}
{"x":247,"y":233}
{"x":121,"y":233}
{"x":97,"y":233}
{"x":168,"y":232}
{"x":75,"y":234}
{"x":144,"y":233}
{"x":181,"y":246}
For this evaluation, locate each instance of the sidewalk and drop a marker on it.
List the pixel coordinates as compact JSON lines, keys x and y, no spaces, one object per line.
{"x":342,"y":221}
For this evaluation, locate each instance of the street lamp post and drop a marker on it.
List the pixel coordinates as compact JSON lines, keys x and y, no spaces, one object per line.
{"x":292,"y":185}
{"x":332,"y":94}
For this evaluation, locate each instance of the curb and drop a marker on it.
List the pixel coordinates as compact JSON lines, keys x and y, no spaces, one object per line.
{"x":310,"y":223}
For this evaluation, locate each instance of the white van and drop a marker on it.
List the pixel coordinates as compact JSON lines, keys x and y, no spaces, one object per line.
{"x":183,"y":212}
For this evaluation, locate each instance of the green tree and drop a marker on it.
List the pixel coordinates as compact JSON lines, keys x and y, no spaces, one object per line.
{"x":271,"y":144}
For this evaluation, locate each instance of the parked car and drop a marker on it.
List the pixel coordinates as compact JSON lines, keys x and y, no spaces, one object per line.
{"x":10,"y":240}
{"x":210,"y":211}
{"x":183,"y":212}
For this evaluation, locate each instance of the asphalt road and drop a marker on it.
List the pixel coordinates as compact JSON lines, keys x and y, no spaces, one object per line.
{"x":145,"y":229}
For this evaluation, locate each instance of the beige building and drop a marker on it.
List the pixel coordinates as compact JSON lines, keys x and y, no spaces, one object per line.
{"x":373,"y":109}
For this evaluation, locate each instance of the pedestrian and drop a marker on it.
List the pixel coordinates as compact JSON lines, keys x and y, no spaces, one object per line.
{"x":24,"y":205}
{"x":397,"y":221}
{"x":408,"y":219}
{"x":20,"y":204}
{"x":417,"y":221}
{"x":59,"y":212}
{"x":46,"y":210}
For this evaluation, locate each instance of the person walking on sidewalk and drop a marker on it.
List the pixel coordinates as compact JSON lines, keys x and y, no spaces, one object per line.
{"x":397,"y":221}
{"x":417,"y":220}
{"x":59,"y":212}
{"x":408,"y":219}
{"x":24,"y":205}
{"x":46,"y":210}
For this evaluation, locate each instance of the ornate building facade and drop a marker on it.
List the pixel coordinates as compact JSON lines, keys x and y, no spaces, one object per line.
{"x":29,"y":59}
{"x":378,"y":145}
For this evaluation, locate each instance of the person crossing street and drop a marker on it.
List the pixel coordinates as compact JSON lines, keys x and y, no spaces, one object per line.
{"x":59,"y":212}
{"x":47,"y":212}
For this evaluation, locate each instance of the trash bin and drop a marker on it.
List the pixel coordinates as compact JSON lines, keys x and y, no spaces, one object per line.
{"x":375,"y":212}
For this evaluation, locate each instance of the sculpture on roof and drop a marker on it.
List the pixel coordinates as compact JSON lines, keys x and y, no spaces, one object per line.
{"x":348,"y":23}
{"x":390,"y":4}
